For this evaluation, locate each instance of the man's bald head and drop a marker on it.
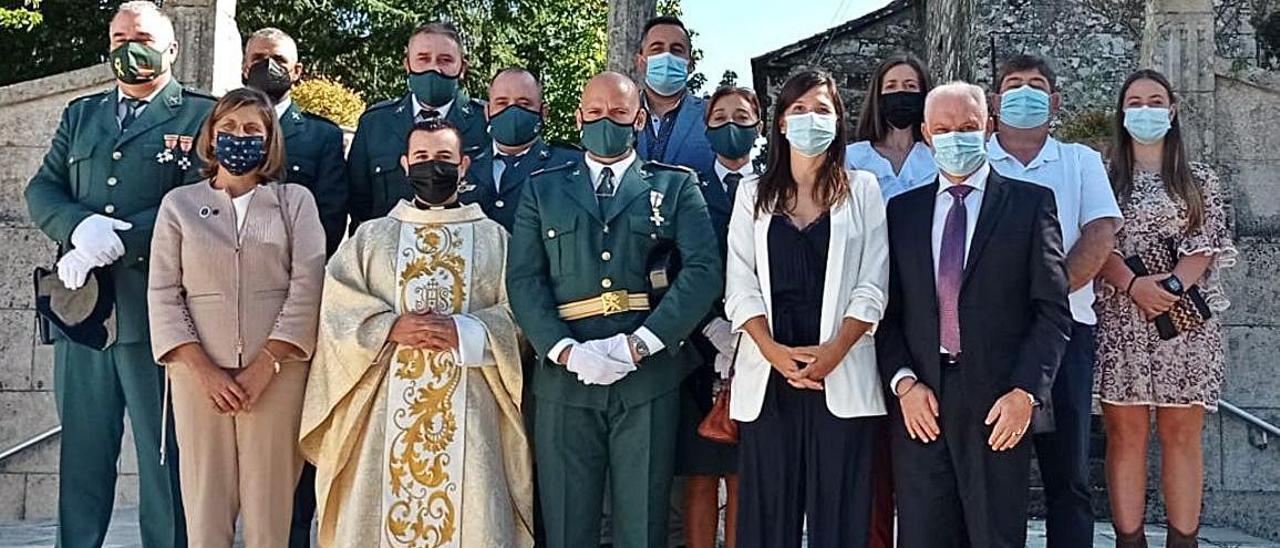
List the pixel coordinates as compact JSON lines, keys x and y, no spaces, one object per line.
{"x":956,"y":106}
{"x":612,"y":95}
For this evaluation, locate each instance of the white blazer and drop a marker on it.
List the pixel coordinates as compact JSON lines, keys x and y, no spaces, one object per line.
{"x":855,"y":286}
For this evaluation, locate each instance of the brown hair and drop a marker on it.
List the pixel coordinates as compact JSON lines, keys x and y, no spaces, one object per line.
{"x":777,"y":191}
{"x":725,"y":91}
{"x":272,"y":166}
{"x":441,"y":28}
{"x":1175,"y":171}
{"x":871,"y":124}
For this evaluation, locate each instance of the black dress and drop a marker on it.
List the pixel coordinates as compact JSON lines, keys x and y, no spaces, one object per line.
{"x":797,"y":460}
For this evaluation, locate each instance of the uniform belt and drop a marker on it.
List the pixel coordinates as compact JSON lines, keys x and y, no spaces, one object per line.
{"x":604,"y":304}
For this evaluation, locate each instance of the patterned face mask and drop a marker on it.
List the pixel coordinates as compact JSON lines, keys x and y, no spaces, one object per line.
{"x":239,"y":154}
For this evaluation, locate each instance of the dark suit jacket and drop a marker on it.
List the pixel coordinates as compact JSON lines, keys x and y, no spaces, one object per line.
{"x":500,"y":204}
{"x":1014,"y":317}
{"x":688,"y":145}
{"x":314,"y":159}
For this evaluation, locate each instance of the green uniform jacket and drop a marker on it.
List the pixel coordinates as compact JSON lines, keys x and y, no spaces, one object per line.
{"x":563,"y":250}
{"x":374,"y":175}
{"x":500,"y":205}
{"x":314,"y":159}
{"x":93,"y":167}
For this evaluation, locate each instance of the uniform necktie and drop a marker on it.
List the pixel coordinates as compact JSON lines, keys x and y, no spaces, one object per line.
{"x":426,"y":114}
{"x":131,"y":108}
{"x":604,"y":192}
{"x":951,"y":268}
{"x":731,"y":181}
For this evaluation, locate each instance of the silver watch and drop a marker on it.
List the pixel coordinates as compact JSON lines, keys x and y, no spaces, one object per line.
{"x":642,"y":349}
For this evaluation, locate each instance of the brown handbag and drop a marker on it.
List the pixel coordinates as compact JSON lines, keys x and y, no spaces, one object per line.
{"x":717,"y":426}
{"x":1191,"y":311}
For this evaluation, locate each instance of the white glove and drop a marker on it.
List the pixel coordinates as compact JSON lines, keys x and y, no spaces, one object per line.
{"x":593,"y":367}
{"x":724,"y":365}
{"x":73,"y":269}
{"x":96,"y":237}
{"x":616,"y":347}
{"x":720,"y":333}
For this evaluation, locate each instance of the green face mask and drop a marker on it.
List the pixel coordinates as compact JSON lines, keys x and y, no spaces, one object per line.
{"x":433,"y":88}
{"x":136,"y":63}
{"x":606,"y":138}
{"x":515,"y":125}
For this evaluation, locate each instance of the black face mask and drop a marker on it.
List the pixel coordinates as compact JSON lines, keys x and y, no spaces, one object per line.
{"x":269,"y":77}
{"x":903,"y":109}
{"x":434,"y":181}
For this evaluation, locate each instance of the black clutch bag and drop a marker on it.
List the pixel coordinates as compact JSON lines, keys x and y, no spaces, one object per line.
{"x":1191,"y":311}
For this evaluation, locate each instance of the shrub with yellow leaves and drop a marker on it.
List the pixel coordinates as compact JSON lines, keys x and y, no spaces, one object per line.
{"x":330,"y":99}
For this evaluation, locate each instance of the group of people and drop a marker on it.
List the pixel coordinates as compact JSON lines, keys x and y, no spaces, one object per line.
{"x":459,"y":334}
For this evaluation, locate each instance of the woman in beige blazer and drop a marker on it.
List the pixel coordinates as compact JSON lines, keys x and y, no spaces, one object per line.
{"x":807,"y":270}
{"x":237,"y":267}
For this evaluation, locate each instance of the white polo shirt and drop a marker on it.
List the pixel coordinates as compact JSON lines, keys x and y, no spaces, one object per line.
{"x":1081,"y":189}
{"x":917,"y":170}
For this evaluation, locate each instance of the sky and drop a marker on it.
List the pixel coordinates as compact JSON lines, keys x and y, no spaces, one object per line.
{"x":731,"y":32}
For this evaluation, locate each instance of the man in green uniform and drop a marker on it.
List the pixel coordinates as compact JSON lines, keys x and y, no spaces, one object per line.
{"x":611,"y":360}
{"x":497,"y":173}
{"x":113,"y":157}
{"x":312,"y":144}
{"x":436,"y":64}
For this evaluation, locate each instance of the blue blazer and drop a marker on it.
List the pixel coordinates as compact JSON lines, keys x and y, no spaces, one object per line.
{"x":688,"y":145}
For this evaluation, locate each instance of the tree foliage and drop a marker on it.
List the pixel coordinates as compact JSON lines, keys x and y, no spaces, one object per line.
{"x":50,"y":37}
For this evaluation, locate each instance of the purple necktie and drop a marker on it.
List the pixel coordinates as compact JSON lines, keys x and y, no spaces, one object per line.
{"x":951,"y":269}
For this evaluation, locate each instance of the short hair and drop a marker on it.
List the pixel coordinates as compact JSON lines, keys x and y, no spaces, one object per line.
{"x":1027,"y":61}
{"x":957,"y":88}
{"x":272,"y":166}
{"x":147,"y":7}
{"x":518,"y":70}
{"x":440,"y":28}
{"x":725,"y":91}
{"x":273,"y":34}
{"x":665,"y":20}
{"x":433,"y":125}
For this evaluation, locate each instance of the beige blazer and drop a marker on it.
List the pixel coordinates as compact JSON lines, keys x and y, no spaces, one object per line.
{"x":855,"y":285}
{"x":231,"y":294}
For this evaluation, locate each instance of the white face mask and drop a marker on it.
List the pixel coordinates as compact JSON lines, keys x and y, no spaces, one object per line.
{"x":811,"y":133}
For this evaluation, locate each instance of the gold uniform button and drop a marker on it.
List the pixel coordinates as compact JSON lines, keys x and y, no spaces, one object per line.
{"x":551,"y":233}
{"x":109,"y":209}
{"x":606,"y":283}
{"x":606,"y":256}
{"x":499,"y":203}
{"x":111,"y":181}
{"x":117,"y":155}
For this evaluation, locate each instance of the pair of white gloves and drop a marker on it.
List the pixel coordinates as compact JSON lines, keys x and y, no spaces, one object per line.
{"x":94,"y":244}
{"x":721,"y":335}
{"x":602,"y":361}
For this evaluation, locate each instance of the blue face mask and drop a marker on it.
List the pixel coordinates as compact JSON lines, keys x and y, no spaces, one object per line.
{"x":810,"y":133}
{"x":960,"y":153}
{"x":239,"y":154}
{"x":1147,"y":125}
{"x":1024,"y":108}
{"x":666,"y":74}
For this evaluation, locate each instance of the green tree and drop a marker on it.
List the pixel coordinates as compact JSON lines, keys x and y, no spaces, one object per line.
{"x":23,"y":17}
{"x":729,"y":78}
{"x":43,"y":38}
{"x":360,"y":43}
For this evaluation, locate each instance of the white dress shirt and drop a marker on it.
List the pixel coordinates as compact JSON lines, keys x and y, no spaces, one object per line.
{"x":723,"y":170}
{"x":443,"y":109}
{"x":1081,"y":188}
{"x":594,"y":170}
{"x":283,"y":107}
{"x":918,"y":169}
{"x":500,"y":167}
{"x":941,"y":205}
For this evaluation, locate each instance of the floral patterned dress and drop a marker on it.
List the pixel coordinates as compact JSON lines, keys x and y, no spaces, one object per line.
{"x":1134,"y":366}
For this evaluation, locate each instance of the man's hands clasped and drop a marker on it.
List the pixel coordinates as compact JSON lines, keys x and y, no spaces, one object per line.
{"x":429,"y":331}
{"x":600,"y":362}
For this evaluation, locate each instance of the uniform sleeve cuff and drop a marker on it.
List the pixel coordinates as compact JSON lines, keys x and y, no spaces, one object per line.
{"x":554,"y":354}
{"x":472,"y":340}
{"x":903,"y":373}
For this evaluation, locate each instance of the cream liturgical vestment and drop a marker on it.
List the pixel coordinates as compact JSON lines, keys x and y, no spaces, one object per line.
{"x":414,"y":447}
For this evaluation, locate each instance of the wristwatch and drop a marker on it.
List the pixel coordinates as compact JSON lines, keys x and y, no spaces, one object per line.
{"x":642,"y":349}
{"x":1173,"y":285}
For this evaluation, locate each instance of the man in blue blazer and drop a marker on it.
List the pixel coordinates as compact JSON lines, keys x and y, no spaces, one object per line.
{"x":676,"y":132}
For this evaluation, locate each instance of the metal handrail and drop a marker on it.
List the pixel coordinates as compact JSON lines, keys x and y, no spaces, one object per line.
{"x":30,"y":442}
{"x":1260,"y":426}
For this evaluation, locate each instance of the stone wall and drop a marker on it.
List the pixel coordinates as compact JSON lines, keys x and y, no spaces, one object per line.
{"x":29,"y":115}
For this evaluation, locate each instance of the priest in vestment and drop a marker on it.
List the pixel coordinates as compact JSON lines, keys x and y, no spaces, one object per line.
{"x":412,"y":410}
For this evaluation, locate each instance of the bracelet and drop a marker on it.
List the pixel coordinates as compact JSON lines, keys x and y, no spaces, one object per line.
{"x":1130,"y":287}
{"x":913,"y":387}
{"x":274,"y":360}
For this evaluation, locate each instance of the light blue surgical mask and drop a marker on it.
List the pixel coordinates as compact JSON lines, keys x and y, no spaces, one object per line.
{"x":960,"y":153}
{"x":1147,"y":125}
{"x":666,"y":74}
{"x":1024,"y":107}
{"x":811,"y":133}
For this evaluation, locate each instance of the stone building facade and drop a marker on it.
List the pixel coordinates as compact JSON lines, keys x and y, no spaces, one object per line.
{"x":1219,"y":65}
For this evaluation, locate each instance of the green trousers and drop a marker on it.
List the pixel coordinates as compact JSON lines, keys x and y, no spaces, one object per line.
{"x":578,"y":448}
{"x":94,"y":390}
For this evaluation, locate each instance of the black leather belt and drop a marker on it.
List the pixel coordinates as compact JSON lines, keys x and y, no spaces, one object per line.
{"x":949,"y":360}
